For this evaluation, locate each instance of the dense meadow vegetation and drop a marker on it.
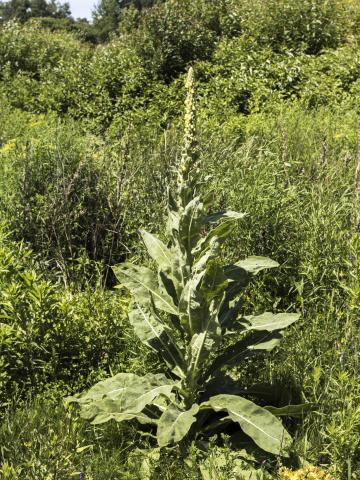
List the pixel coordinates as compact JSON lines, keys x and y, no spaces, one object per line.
{"x":91,"y":140}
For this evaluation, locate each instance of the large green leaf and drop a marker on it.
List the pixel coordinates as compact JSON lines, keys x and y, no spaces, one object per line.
{"x":201,"y":346}
{"x":169,"y":274}
{"x":214,"y":283}
{"x":123,"y":393}
{"x":255,"y":264}
{"x":259,"y":424}
{"x":190,"y":225}
{"x":239,"y":273}
{"x":122,"y":417}
{"x":143,"y":284}
{"x":215,"y":236}
{"x":215,"y":217}
{"x":174,"y":424}
{"x":295,"y":411}
{"x":192,"y":307}
{"x":158,"y":251}
{"x":151,"y":331}
{"x":270,"y":321}
{"x":196,"y":296}
{"x":253,"y":344}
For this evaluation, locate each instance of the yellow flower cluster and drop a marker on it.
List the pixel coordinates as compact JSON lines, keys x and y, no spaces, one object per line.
{"x":8,"y":147}
{"x":309,"y":472}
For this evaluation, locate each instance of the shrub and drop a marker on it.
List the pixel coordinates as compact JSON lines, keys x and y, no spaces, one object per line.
{"x":309,"y":26}
{"x":50,"y":334}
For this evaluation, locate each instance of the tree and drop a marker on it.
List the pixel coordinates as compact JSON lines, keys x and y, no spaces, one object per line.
{"x":22,"y":10}
{"x":108,"y":13}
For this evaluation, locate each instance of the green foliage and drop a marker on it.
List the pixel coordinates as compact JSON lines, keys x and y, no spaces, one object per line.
{"x":48,"y":334}
{"x":310,"y":25}
{"x":72,"y":197}
{"x":23,"y":10}
{"x":174,"y":33}
{"x":85,"y":139}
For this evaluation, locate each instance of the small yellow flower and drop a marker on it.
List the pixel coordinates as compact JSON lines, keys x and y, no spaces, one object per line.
{"x":309,"y":472}
{"x":8,"y":146}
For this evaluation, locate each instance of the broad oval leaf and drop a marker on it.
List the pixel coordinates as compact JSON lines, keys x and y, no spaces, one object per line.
{"x":158,"y":251}
{"x":254,"y":264}
{"x":174,"y":424}
{"x":259,"y":424}
{"x":123,"y":393}
{"x":229,"y":214}
{"x":151,"y":331}
{"x":295,"y":411}
{"x":143,"y":285}
{"x":270,"y":321}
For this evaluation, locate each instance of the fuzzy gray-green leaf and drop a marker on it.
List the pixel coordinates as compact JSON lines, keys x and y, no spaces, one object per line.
{"x":215,"y":217}
{"x":157,"y":250}
{"x":143,"y":285}
{"x":255,"y":264}
{"x":151,"y":331}
{"x":174,"y":424}
{"x":123,"y":393}
{"x":259,"y":424}
{"x":270,"y":321}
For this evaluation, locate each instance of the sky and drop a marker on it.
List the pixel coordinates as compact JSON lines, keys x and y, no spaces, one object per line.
{"x":82,"y":8}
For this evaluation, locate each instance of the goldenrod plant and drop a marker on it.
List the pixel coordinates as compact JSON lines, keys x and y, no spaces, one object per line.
{"x":309,"y":472}
{"x":187,"y":311}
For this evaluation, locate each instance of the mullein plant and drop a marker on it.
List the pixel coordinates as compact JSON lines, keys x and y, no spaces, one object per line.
{"x":188,"y":311}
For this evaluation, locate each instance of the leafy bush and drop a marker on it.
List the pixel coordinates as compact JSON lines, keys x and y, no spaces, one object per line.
{"x":33,"y":62}
{"x":49,"y":334}
{"x":174,"y":33}
{"x":309,"y":25}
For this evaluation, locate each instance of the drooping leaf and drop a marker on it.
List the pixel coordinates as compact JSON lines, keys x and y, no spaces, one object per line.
{"x":253,"y":344}
{"x":123,"y":393}
{"x":122,"y":417}
{"x":143,"y":284}
{"x":259,"y":424}
{"x":215,"y":217}
{"x":174,"y":424}
{"x":270,"y":322}
{"x":296,"y":411}
{"x":255,"y":264}
{"x":150,"y":330}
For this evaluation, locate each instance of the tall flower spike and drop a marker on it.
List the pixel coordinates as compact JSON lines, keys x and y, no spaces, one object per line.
{"x":188,"y":168}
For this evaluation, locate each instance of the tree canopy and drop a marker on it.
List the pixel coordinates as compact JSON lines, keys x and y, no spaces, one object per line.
{"x":23,"y":10}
